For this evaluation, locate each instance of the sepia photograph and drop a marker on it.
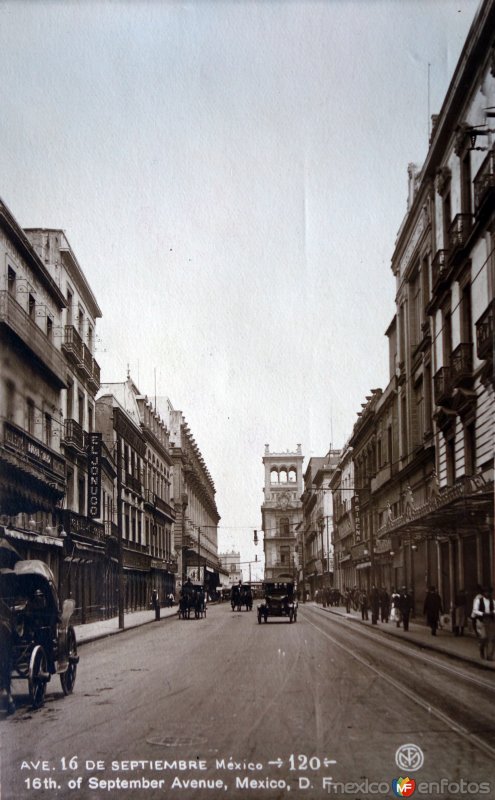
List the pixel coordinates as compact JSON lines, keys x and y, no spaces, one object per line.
{"x":247,"y":273}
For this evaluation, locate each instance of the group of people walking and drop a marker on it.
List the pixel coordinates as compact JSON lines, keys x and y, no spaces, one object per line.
{"x":398,"y":606}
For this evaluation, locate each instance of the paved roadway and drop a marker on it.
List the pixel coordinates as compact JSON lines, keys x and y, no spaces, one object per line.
{"x":311,"y":704}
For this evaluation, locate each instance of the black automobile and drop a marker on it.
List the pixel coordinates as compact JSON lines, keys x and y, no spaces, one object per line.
{"x":279,"y":600}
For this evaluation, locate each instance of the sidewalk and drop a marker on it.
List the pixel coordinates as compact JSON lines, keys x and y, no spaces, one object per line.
{"x":464,"y":648}
{"x":107,"y":627}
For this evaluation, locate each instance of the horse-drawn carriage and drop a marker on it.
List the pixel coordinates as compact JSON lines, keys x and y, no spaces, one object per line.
{"x":192,"y":600}
{"x":240,"y":596}
{"x":36,"y":638}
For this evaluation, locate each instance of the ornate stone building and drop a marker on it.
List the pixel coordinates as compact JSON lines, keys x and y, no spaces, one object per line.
{"x":281,"y":512}
{"x":33,"y":376}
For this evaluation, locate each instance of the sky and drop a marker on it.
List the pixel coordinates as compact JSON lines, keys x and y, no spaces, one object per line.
{"x":231,"y":177}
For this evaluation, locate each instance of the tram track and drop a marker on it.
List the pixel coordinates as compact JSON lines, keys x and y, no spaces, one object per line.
{"x":412,"y":649}
{"x":414,"y":686}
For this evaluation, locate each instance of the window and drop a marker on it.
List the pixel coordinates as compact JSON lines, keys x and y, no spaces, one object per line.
{"x":70,"y":399}
{"x":31,"y":306}
{"x":48,"y":430}
{"x":466,"y":315}
{"x":466,"y":183}
{"x":284,"y":527}
{"x":69,"y":306}
{"x":80,"y":321}
{"x":80,"y":409}
{"x":414,"y":310}
{"x":81,"y":494}
{"x":470,"y":449}
{"x":30,"y":417}
{"x":447,"y":339}
{"x":450,"y":459}
{"x":11,"y":280}
{"x":90,"y":418}
{"x":90,"y":338}
{"x":10,"y":400}
{"x":447,"y":219}
{"x":49,"y":328}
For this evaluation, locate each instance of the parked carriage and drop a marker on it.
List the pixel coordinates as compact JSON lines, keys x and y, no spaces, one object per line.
{"x":240,"y":596}
{"x":36,"y":638}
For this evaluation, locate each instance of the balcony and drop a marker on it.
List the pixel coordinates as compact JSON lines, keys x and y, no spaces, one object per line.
{"x":87,"y":361}
{"x":74,"y":435}
{"x":83,"y":526}
{"x":25,"y":328}
{"x":439,"y":267}
{"x":459,"y":233}
{"x":442,"y":386}
{"x":461,"y":369}
{"x":72,"y":345}
{"x":484,"y":335}
{"x":95,"y":375}
{"x":484,"y":183}
{"x":133,"y":483}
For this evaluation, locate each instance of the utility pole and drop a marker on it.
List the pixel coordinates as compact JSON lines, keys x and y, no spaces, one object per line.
{"x":199,"y":552}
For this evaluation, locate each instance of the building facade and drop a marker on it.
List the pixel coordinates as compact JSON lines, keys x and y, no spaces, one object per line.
{"x":84,"y":566}
{"x":196,"y":513}
{"x":281,"y":513}
{"x":33,"y":377}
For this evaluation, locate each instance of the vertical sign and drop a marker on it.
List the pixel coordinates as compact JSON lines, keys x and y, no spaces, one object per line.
{"x":94,"y":475}
{"x":357,"y":521}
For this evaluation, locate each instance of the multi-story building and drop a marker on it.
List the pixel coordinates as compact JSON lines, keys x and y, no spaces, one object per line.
{"x":119,"y":421}
{"x":196,"y":514}
{"x":85,"y":567}
{"x":281,"y":512}
{"x":315,"y":531}
{"x":346,"y":523}
{"x":444,"y":265}
{"x":34,"y":374}
{"x":231,"y":564}
{"x":159,"y":516}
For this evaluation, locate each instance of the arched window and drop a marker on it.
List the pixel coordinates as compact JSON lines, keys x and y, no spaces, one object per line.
{"x":274,"y":476}
{"x":283,"y":475}
{"x":292,"y":475}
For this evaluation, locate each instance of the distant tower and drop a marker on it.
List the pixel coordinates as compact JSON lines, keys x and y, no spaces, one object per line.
{"x":281,"y":512}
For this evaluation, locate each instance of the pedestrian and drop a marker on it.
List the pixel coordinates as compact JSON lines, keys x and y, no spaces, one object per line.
{"x":375,"y":604}
{"x":433,"y":607}
{"x":363,"y":604}
{"x":479,"y":594}
{"x":405,"y":606}
{"x":384,"y":605}
{"x":395,"y":615}
{"x":348,"y":599}
{"x":484,"y":611}
{"x":460,"y":612}
{"x":155,"y":603}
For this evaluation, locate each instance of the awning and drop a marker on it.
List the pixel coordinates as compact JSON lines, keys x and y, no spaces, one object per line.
{"x":364,"y":565}
{"x":31,"y":537}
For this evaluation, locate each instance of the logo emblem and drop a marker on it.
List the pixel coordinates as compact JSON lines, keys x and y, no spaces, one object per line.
{"x":403,"y":787}
{"x":410,"y":758}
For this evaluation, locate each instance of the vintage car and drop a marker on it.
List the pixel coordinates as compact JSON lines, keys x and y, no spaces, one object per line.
{"x":279,"y":600}
{"x":36,"y":637}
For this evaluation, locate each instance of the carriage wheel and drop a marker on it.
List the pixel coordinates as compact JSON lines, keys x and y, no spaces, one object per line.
{"x":38,"y":676}
{"x":68,"y":678}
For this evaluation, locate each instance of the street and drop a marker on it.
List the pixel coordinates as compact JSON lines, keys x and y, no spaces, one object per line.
{"x":225,"y":707}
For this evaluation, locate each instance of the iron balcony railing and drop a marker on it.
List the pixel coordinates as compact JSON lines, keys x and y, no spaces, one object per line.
{"x":74,"y":434}
{"x":484,"y":334}
{"x":442,"y":385}
{"x":459,"y":231}
{"x":25,"y":328}
{"x":133,"y":483}
{"x":73,"y":344}
{"x":439,"y":267}
{"x":484,"y":182}
{"x":462,"y":364}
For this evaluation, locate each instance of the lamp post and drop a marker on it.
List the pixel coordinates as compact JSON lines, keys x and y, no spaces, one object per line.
{"x":199,"y":552}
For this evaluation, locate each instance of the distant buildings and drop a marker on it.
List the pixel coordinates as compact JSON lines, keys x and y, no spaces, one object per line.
{"x":231,"y":565}
{"x":281,"y":512}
